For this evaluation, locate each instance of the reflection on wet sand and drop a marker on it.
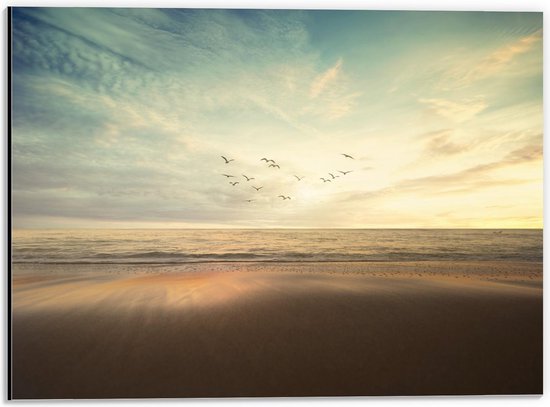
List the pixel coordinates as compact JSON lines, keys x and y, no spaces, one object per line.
{"x":209,"y":285}
{"x":277,"y":329}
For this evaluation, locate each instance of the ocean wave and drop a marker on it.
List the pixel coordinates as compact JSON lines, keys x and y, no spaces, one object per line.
{"x":284,"y":246}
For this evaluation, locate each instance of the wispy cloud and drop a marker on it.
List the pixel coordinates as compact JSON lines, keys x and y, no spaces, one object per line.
{"x":441,"y":143}
{"x":495,"y":63}
{"x":499,"y":59}
{"x":469,"y":179}
{"x":457,"y":111}
{"x":325,"y":79}
{"x":472,"y":178}
{"x":331,"y":94}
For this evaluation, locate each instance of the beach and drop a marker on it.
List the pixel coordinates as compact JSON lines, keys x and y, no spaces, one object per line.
{"x":276,"y":329}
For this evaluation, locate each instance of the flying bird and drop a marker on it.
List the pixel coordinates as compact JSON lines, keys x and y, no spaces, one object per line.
{"x":274,"y":165}
{"x":248,"y":179}
{"x":256,"y":188}
{"x":228,"y":176}
{"x":226,"y":160}
{"x":345,"y":172}
{"x":325,"y":180}
{"x":333,"y":177}
{"x":234,"y":183}
{"x":282,"y":196}
{"x":348,"y":156}
{"x":273,"y":161}
{"x":250,"y":200}
{"x":264,"y":159}
{"x":299,"y":178}
{"x":287,"y":197}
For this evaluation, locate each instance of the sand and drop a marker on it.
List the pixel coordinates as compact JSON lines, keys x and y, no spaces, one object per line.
{"x":276,"y":329}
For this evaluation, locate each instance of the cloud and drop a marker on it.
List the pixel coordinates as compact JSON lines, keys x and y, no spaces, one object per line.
{"x":323,"y":80}
{"x":331,"y":95}
{"x":524,"y":154}
{"x":500,"y":58}
{"x":469,"y":179}
{"x":472,"y":175}
{"x":440,"y":143}
{"x":342,"y":105}
{"x":456,"y":141}
{"x":466,"y":71}
{"x":457,"y":111}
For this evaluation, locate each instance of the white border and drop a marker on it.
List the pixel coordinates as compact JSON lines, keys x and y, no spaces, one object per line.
{"x":465,"y":5}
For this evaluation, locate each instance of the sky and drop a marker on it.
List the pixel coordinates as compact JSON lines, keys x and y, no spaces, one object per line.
{"x":120,"y":118}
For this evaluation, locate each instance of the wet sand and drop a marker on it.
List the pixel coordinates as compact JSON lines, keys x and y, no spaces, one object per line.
{"x":276,"y":329}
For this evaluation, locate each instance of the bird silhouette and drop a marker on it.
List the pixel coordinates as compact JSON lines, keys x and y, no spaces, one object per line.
{"x":299,"y":178}
{"x":256,"y":188}
{"x":264,"y":159}
{"x":333,"y":177}
{"x":273,"y":161}
{"x":282,"y":196}
{"x":345,"y":172}
{"x":234,"y":183}
{"x":287,"y":197}
{"x":247,"y":178}
{"x":348,"y":156}
{"x":228,"y":176}
{"x":226,"y":160}
{"x":325,"y":180}
{"x":250,"y":200}
{"x":274,"y":165}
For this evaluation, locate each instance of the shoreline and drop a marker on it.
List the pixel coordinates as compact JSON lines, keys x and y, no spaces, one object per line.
{"x":476,"y":266}
{"x":275,"y":330}
{"x":257,"y":261}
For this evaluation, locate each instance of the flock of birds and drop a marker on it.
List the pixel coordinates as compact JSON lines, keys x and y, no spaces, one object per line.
{"x":272,"y":164}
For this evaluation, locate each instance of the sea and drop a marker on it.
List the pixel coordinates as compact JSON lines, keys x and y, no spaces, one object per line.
{"x":169,"y":246}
